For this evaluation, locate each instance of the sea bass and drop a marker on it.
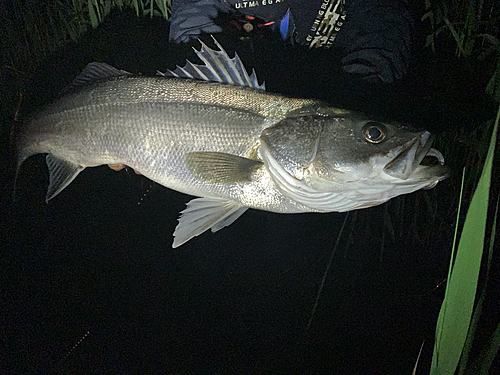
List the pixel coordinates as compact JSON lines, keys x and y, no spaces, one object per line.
{"x":212,"y":131}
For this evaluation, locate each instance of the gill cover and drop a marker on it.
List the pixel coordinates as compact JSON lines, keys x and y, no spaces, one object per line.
{"x":288,"y":150}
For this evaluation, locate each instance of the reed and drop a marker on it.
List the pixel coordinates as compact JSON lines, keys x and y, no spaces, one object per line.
{"x":458,"y":318}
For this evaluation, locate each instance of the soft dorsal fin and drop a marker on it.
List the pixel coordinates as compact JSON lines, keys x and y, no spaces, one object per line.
{"x":219,"y":67}
{"x":93,"y":72}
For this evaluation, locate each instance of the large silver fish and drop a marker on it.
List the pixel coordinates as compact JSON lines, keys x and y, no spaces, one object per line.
{"x":228,"y":142}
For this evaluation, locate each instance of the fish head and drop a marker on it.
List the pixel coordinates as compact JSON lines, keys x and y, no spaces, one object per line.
{"x":343,"y":161}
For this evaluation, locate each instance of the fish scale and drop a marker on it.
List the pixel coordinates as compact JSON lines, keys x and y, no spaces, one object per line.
{"x":234,"y":147}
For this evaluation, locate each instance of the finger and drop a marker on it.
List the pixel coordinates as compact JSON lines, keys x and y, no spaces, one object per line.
{"x":116,"y":167}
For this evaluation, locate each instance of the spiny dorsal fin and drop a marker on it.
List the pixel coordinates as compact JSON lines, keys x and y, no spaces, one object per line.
{"x":93,"y":72}
{"x":219,"y":67}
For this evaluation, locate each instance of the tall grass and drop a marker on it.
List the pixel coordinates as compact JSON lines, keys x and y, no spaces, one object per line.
{"x":459,"y":315}
{"x":472,"y":25}
{"x":32,"y":31}
{"x":99,"y":9}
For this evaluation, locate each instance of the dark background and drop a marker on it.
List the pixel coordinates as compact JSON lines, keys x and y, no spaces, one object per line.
{"x":89,"y":284}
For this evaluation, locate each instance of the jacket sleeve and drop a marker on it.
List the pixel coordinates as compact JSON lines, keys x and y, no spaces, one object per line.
{"x":190,"y":18}
{"x":376,"y":39}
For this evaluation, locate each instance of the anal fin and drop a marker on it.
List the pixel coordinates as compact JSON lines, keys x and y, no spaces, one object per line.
{"x":61,"y":173}
{"x":204,"y":213}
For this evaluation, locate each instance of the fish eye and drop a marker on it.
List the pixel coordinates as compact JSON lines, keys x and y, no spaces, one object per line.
{"x":374,"y":132}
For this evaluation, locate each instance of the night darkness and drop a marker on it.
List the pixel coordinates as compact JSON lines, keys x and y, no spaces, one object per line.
{"x":89,"y":283}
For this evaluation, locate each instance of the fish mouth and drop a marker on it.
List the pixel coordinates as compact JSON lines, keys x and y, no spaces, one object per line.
{"x":417,"y":154}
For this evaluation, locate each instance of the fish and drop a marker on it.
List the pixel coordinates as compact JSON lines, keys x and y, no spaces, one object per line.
{"x":211,"y":131}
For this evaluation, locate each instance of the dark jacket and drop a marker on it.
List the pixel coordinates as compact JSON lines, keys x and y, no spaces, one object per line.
{"x":374,"y":35}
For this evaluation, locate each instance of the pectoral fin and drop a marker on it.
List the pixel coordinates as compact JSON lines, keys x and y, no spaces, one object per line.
{"x":204,"y":213}
{"x":61,"y":173}
{"x":221,"y":168}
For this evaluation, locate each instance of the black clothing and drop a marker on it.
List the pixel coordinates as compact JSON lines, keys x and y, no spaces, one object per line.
{"x":374,"y":35}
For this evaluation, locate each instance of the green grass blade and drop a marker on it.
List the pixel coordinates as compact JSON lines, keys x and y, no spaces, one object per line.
{"x":488,"y":354}
{"x":456,"y":311}
{"x":486,"y":357}
{"x":94,"y":20}
{"x":414,"y":372}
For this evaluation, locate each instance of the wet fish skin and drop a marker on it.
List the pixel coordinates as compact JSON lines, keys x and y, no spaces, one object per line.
{"x":236,"y":147}
{"x":150,"y":123}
